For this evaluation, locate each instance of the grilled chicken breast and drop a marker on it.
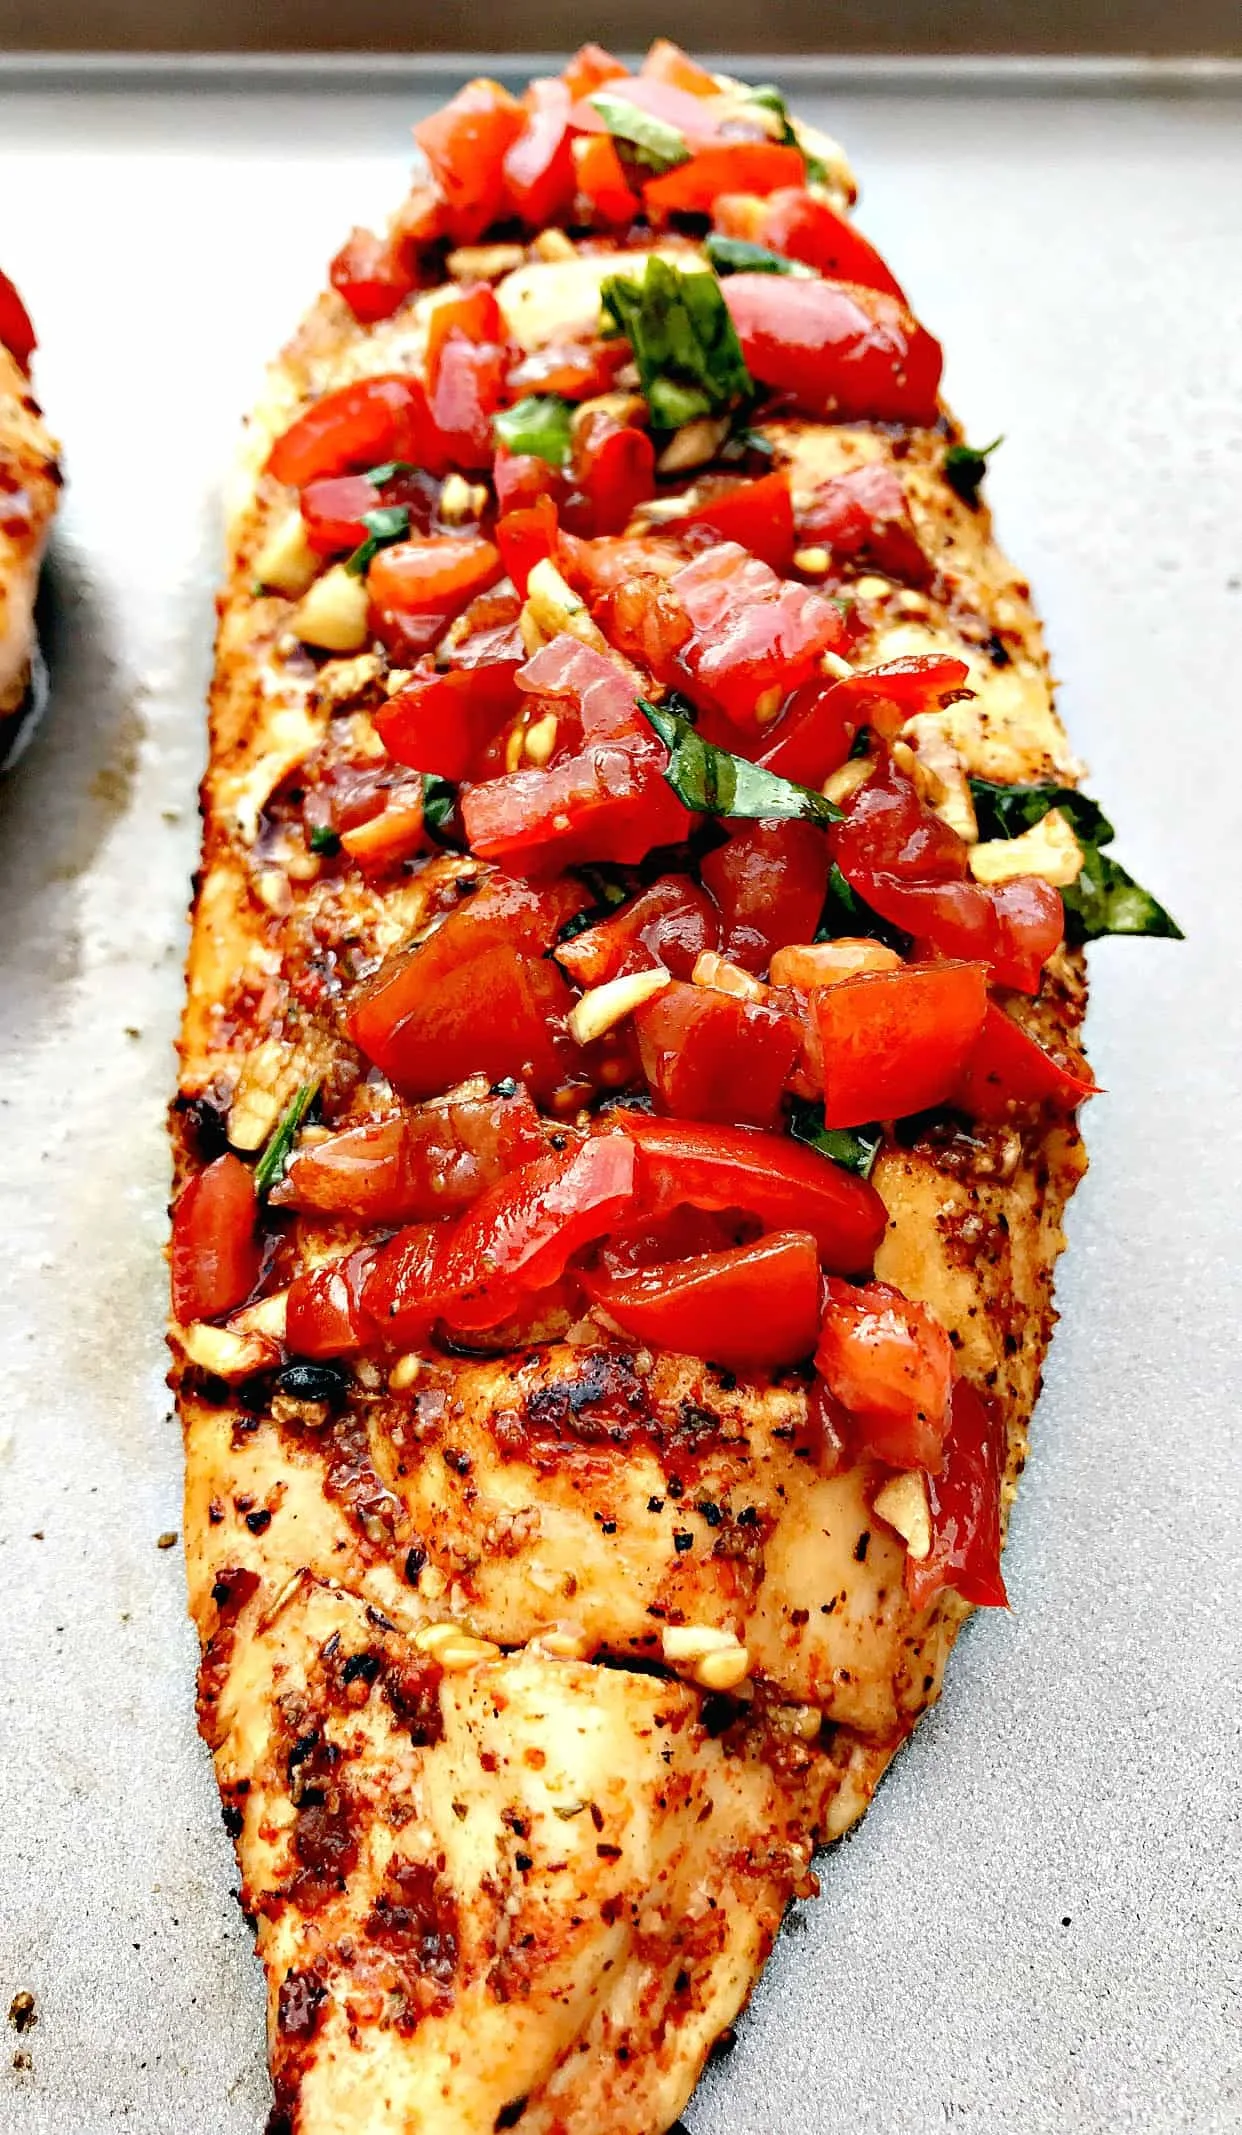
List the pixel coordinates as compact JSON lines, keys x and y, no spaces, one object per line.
{"x":29,"y":491}
{"x":538,"y":1660}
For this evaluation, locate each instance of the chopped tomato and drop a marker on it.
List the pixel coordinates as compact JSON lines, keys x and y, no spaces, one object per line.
{"x":709,"y":1055}
{"x":359,"y":425}
{"x":814,"y":734}
{"x":866,"y":513}
{"x":610,"y":801}
{"x":590,"y":67}
{"x":783,"y":1183}
{"x":647,"y":622}
{"x":666,"y":62}
{"x":614,"y":464}
{"x":393,"y":835}
{"x":598,"y":567}
{"x":410,"y":1284}
{"x":479,"y":996}
{"x":699,"y":120}
{"x":466,"y":366}
{"x":837,"y":349}
{"x":527,"y":537}
{"x":671,"y":923}
{"x":601,"y":179}
{"x":757,"y":515}
{"x":895,"y":1042}
{"x":964,"y":1500}
{"x":436,"y":576}
{"x":332,"y":511}
{"x":440,"y":722}
{"x":886,"y":696}
{"x":888,"y":1361}
{"x":520,"y":479}
{"x":521,"y":1236}
{"x":770,"y":881}
{"x":422,"y":1162}
{"x":1007,"y":1067}
{"x":468,"y":308}
{"x":754,"y":633}
{"x":539,"y":164}
{"x":734,"y":167}
{"x":1030,"y":924}
{"x":324,"y":1314}
{"x":374,"y":275}
{"x":824,"y":963}
{"x":466,"y":144}
{"x":576,"y":370}
{"x":16,"y":332}
{"x":216,"y":1255}
{"x":799,"y":225}
{"x":754,"y":1306}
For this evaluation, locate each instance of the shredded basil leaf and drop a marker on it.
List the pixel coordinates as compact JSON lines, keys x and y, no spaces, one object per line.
{"x":389,"y":472}
{"x":965,"y":467}
{"x":1104,"y":899}
{"x":769,"y":96}
{"x":438,"y":800}
{"x":688,"y":354}
{"x":270,"y":1168}
{"x":854,"y":1147}
{"x":736,"y":255}
{"x":323,"y":839}
{"x":713,"y":782}
{"x":651,"y":141}
{"x":386,"y":524}
{"x":539,"y":424}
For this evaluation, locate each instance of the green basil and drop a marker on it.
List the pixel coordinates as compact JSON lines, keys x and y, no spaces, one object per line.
{"x":270,"y":1168}
{"x":713,"y":782}
{"x":687,"y":352}
{"x":1104,"y":899}
{"x":854,"y":1147}
{"x":539,"y":424}
{"x":438,"y":800}
{"x":389,"y":472}
{"x":965,"y":467}
{"x":651,"y":141}
{"x":770,"y":99}
{"x":386,"y":524}
{"x":736,"y":255}
{"x":323,"y":839}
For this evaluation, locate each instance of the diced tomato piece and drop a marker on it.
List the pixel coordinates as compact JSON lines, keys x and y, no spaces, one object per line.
{"x":411,"y":1284}
{"x":360,"y":425}
{"x":441,"y":721}
{"x":666,"y":62}
{"x":216,"y":1255}
{"x":889,"y":1361}
{"x":1007,"y":1067}
{"x":479,"y":996}
{"x":755,"y":633}
{"x":671,"y":923}
{"x":324,"y":1313}
{"x":770,"y":881}
{"x":521,"y":1236}
{"x":754,"y":1306}
{"x":699,"y":120}
{"x":814,"y":734}
{"x":432,"y":577}
{"x":895,"y":1042}
{"x":865,"y":512}
{"x":539,"y":164}
{"x":16,"y":332}
{"x":601,"y":179}
{"x":598,"y":567}
{"x":888,"y":829}
{"x":886,"y":696}
{"x":781,"y":1182}
{"x":709,"y":1055}
{"x":837,"y":349}
{"x":1030,"y":925}
{"x":374,"y":275}
{"x":647,"y":622}
{"x":757,"y":515}
{"x":468,"y":308}
{"x":393,"y":835}
{"x":466,"y":144}
{"x":734,"y":167}
{"x":614,"y":464}
{"x":420,"y":1163}
{"x":965,"y":1501}
{"x":527,"y":537}
{"x":521,"y":479}
{"x":467,"y":389}
{"x":590,"y":67}
{"x":576,"y":370}
{"x":800,"y":225}
{"x":332,"y":510}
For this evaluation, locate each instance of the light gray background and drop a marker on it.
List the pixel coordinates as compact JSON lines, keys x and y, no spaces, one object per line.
{"x":1036,"y":1929}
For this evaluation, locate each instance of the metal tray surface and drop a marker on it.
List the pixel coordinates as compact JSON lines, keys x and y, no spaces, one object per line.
{"x":1037,"y":1927}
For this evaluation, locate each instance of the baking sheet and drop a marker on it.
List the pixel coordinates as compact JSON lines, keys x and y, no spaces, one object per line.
{"x":1037,"y":1926}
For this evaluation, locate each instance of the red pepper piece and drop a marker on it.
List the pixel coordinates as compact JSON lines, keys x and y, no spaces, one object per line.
{"x":964,"y":1500}
{"x":216,"y":1255}
{"x":888,"y":1360}
{"x":750,"y":1307}
{"x":837,"y":349}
